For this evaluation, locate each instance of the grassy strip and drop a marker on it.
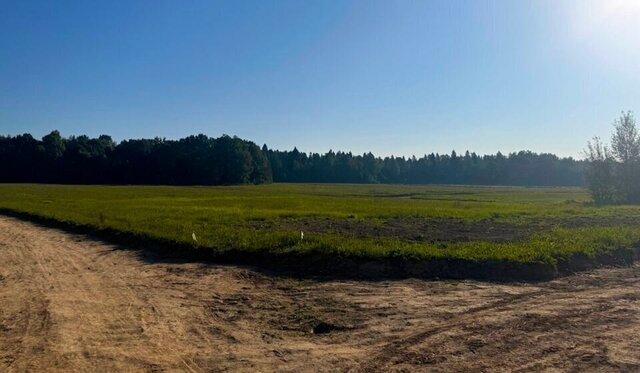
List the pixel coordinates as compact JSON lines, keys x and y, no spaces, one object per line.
{"x":332,"y":262}
{"x":219,"y":218}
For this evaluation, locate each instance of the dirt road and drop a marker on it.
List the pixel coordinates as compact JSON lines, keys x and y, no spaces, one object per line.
{"x":70,"y":303}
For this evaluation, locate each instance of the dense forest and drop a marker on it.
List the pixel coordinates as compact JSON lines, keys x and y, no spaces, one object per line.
{"x":194,"y":160}
{"x":202,"y":160}
{"x":522,"y":168}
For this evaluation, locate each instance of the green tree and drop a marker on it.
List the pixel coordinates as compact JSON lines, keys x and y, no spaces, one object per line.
{"x":53,"y":145}
{"x":599,"y":173}
{"x":625,"y":146}
{"x":625,"y":141}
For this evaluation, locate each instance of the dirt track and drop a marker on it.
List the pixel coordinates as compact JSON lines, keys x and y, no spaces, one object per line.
{"x":69,"y":303}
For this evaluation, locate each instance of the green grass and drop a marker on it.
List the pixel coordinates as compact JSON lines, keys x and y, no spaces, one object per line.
{"x":228,"y":218}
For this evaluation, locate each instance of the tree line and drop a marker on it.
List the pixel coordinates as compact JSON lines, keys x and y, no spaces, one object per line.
{"x":521,"y":168}
{"x":201,"y":160}
{"x":194,"y":160}
{"x":613,"y":172}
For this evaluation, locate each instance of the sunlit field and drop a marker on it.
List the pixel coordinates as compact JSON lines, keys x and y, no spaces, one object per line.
{"x":522,"y":225}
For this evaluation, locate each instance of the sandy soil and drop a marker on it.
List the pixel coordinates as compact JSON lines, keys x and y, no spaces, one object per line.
{"x":70,"y":303}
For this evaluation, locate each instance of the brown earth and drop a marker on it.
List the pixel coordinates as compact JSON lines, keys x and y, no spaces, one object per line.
{"x":413,"y":229}
{"x":70,"y":303}
{"x":441,"y":229}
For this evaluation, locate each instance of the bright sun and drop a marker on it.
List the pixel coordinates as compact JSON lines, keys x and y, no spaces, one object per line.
{"x":608,"y":31}
{"x":608,"y":18}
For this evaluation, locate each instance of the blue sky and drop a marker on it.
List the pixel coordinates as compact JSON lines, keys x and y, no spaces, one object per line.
{"x":391,"y":77}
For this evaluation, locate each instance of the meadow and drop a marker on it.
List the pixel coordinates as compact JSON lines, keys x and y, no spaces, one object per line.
{"x":474,"y":224}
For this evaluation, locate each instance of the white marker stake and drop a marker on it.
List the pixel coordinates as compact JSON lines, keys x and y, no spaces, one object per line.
{"x":301,"y":235}
{"x":193,"y":235}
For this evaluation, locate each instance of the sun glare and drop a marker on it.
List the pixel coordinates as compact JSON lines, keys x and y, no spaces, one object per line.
{"x":608,"y":32}
{"x":614,"y":19}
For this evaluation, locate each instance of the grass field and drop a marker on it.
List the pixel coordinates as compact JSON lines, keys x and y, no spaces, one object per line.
{"x":476,"y":224}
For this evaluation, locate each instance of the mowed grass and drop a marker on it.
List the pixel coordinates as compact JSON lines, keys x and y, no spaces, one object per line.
{"x":246,"y":219}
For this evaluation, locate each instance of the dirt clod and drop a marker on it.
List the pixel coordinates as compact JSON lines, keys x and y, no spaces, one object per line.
{"x":325,"y":327}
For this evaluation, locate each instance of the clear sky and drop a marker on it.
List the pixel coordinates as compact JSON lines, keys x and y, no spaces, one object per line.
{"x":391,"y":77}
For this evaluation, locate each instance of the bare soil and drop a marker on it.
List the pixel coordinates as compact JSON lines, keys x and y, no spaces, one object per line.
{"x":413,"y":229}
{"x":71,"y":303}
{"x":441,"y":229}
